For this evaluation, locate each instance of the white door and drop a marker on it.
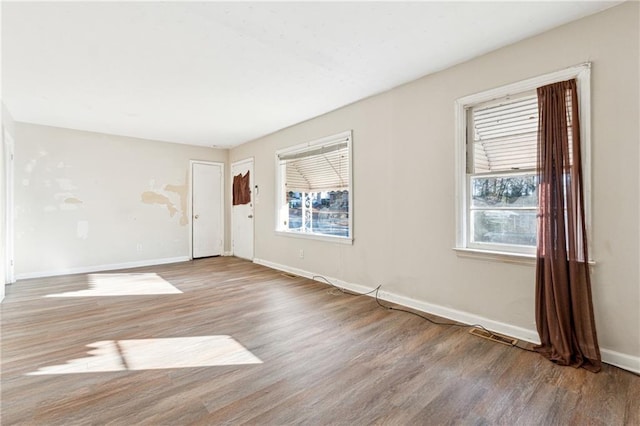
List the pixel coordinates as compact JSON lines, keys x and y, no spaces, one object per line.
{"x":7,"y":151}
{"x":206,"y":194}
{"x":242,"y":214}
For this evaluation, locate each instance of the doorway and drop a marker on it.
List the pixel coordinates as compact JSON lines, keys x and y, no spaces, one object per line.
{"x":242,"y":214}
{"x":7,"y":203}
{"x":207,"y":201}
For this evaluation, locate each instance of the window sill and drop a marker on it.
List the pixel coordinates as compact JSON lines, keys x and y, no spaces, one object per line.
{"x":501,"y":256}
{"x":327,"y":238}
{"x":497,"y":256}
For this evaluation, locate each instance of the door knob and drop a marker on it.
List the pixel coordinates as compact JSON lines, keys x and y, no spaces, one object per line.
{"x":196,"y":216}
{"x":250,"y":216}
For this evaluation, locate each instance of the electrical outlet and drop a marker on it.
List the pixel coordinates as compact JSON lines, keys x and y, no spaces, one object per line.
{"x":301,"y":254}
{"x":139,"y":247}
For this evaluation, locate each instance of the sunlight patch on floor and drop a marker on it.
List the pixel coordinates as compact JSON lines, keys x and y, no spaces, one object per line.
{"x":152,"y":354}
{"x":122,"y":285}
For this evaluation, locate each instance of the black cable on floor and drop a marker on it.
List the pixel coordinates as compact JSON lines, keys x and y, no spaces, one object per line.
{"x":342,"y":290}
{"x":450,"y":324}
{"x":391,"y":308}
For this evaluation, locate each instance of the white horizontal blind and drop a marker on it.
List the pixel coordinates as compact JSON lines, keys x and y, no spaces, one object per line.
{"x":505,"y":135}
{"x":323,"y":168}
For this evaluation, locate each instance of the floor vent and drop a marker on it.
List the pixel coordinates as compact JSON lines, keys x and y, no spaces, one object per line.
{"x":494,"y":337}
{"x":288,"y":275}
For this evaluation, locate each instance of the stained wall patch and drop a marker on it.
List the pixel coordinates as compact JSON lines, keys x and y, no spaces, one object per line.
{"x":150,"y":197}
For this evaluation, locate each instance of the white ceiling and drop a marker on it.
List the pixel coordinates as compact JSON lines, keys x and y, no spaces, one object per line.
{"x":220,"y":74}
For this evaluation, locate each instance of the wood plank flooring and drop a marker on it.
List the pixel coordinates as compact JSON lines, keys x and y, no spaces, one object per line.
{"x":326,"y":359}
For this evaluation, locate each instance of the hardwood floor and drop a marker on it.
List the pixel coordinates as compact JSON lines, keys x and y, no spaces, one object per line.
{"x":313,"y":356}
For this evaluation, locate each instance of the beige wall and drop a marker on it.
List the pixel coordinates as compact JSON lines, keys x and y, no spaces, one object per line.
{"x":404,"y":224}
{"x":79,"y":200}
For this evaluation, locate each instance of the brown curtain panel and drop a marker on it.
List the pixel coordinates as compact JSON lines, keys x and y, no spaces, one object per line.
{"x":564,"y":310}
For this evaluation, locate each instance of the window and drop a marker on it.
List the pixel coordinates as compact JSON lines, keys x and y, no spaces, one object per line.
{"x":501,"y":181}
{"x":314,"y":197}
{"x":496,"y":149}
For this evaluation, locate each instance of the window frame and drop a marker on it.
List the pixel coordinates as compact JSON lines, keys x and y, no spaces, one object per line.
{"x":582,"y":74}
{"x":280,"y":192}
{"x":470,"y":161}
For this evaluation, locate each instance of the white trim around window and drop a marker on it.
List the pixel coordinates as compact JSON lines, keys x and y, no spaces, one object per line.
{"x":321,"y":170}
{"x":582,"y":74}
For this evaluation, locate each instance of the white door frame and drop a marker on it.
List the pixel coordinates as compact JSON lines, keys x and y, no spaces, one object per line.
{"x":9,"y":149}
{"x":253,"y":202}
{"x":190,"y":203}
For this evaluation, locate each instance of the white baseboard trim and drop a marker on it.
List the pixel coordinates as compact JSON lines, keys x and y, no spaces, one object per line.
{"x":441,"y":311}
{"x":624,"y":361}
{"x":618,"y":359}
{"x":227,"y":253}
{"x":463,"y":317}
{"x":99,"y":268}
{"x":356,"y":288}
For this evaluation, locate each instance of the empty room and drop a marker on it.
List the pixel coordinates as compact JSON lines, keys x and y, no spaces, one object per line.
{"x":320,"y":213}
